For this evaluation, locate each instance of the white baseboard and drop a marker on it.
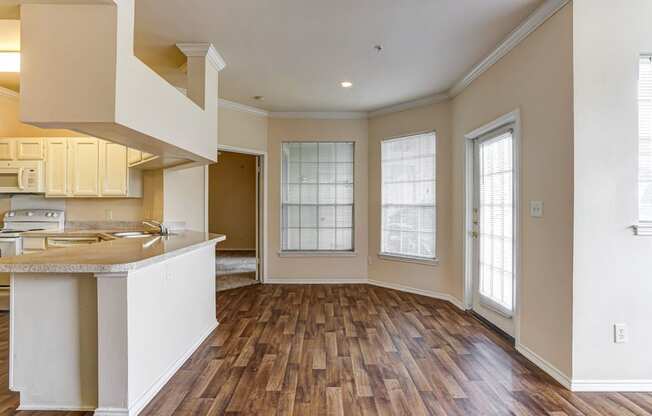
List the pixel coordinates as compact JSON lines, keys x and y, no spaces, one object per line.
{"x":147,"y":396}
{"x":429,"y":293}
{"x":111,"y":411}
{"x":642,"y":386}
{"x":544,"y":365}
{"x":54,"y":408}
{"x":316,"y":281}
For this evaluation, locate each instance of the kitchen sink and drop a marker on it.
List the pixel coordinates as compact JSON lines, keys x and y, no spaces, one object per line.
{"x":134,"y":234}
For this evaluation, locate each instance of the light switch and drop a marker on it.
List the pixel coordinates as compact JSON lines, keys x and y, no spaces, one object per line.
{"x":536,"y":209}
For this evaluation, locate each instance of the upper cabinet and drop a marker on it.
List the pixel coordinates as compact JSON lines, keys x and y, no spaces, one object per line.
{"x":7,"y":149}
{"x":30,"y":149}
{"x":89,"y":167}
{"x":56,"y":167}
{"x":140,"y":159}
{"x":113,"y":169}
{"x":84,"y":166}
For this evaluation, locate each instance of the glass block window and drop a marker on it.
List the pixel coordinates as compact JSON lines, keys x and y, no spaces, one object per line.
{"x":317,"y":196}
{"x":408,"y":209}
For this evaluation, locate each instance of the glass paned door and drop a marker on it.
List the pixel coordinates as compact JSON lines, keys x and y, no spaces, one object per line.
{"x":494,"y":228}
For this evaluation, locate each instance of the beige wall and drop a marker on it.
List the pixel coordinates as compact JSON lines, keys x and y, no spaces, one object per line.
{"x":536,"y":77}
{"x":232,"y":200}
{"x":10,"y":125}
{"x":437,"y":278}
{"x":315,"y":268}
{"x":242,"y":130}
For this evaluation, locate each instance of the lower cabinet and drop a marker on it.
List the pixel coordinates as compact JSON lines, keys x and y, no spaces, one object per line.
{"x":89,"y":167}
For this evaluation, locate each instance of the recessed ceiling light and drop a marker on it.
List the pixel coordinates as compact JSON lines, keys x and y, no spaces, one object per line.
{"x":346,"y":84}
{"x":9,"y":61}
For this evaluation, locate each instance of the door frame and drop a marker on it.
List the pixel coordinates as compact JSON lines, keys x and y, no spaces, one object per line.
{"x":262,"y":195}
{"x":514,"y":118}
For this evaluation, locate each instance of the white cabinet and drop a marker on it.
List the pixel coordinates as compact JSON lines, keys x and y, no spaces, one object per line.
{"x":7,"y":149}
{"x":84,"y":166}
{"x":89,"y":167}
{"x":114,"y":170}
{"x":138,"y":158}
{"x":29,"y":149}
{"x":56,"y":167}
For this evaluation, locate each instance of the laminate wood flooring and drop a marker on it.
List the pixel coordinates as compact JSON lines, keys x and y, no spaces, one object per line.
{"x":355,"y":350}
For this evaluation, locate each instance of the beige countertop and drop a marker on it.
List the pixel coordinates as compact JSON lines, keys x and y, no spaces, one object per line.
{"x":112,"y":256}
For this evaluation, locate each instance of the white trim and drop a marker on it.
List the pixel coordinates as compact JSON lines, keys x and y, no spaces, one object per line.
{"x":642,"y":386}
{"x":320,"y":115}
{"x":203,"y":49}
{"x":428,"y":293}
{"x":54,"y":408}
{"x":263,"y":155}
{"x":317,"y":253}
{"x":140,"y":403}
{"x":6,"y":92}
{"x":111,"y":411}
{"x":544,"y":365}
{"x":642,"y":229}
{"x":536,"y":19}
{"x":514,"y":118}
{"x":421,"y":102}
{"x":232,"y":105}
{"x":236,"y":249}
{"x":408,"y":259}
{"x":316,"y":281}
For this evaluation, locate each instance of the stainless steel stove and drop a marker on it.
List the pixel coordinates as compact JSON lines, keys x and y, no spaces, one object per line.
{"x":11,"y":244}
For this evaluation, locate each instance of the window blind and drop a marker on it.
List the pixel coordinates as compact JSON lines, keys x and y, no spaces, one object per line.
{"x":408,"y":189}
{"x":645,"y":140}
{"x":317,"y":196}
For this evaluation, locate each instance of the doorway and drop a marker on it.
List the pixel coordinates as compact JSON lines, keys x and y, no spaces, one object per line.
{"x":235,"y":206}
{"x":492,"y":221}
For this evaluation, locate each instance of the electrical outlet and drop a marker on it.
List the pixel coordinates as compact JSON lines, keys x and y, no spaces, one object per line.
{"x":369,"y":260}
{"x":536,"y":209}
{"x":108,"y":214}
{"x":620,"y":333}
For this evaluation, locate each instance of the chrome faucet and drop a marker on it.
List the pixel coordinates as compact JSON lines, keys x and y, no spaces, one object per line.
{"x":162,"y":229}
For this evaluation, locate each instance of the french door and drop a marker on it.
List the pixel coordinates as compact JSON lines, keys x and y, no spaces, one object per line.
{"x":493,"y":228}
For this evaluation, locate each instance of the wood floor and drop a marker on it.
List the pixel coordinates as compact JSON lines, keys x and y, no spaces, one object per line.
{"x":356,"y":350}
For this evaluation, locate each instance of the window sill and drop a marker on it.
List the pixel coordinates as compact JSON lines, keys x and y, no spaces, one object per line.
{"x":407,"y":259}
{"x":642,"y":229}
{"x":317,"y":254}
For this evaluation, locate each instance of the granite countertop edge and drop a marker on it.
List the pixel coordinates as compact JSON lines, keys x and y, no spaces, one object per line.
{"x":40,"y":265}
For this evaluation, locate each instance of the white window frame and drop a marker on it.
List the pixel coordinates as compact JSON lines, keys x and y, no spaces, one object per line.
{"x":429,"y":261}
{"x":642,"y":227}
{"x":312,"y":252}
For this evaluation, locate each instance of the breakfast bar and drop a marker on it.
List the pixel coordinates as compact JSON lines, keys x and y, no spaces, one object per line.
{"x":102,"y":327}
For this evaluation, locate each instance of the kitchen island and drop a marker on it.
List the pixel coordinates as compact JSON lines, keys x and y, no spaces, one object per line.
{"x":102,"y":327}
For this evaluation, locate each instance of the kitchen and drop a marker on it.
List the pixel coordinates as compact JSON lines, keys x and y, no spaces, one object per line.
{"x":107,"y":236}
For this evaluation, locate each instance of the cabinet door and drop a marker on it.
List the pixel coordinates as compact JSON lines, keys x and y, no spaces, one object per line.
{"x":135,"y":156}
{"x":85,"y":166}
{"x":56,"y":167}
{"x":7,"y":149}
{"x":114,"y":169}
{"x":29,"y":149}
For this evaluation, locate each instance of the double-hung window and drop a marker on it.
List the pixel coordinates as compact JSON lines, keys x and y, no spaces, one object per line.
{"x":645,"y":142}
{"x":409,"y":210}
{"x":317,"y":196}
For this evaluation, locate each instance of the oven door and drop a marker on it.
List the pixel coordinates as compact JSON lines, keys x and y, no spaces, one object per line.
{"x":11,"y":180}
{"x":8,"y":247}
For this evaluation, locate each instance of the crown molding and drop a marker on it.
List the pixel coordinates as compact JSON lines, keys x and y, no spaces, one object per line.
{"x":536,"y":19}
{"x":321,"y":115}
{"x":232,"y":105}
{"x":203,"y":50}
{"x":421,"y":102}
{"x":6,"y":92}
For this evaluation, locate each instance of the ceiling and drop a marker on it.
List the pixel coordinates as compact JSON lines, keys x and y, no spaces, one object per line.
{"x":295,"y":53}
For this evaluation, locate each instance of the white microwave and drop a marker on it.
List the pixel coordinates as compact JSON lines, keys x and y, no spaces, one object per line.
{"x":21,"y":177}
